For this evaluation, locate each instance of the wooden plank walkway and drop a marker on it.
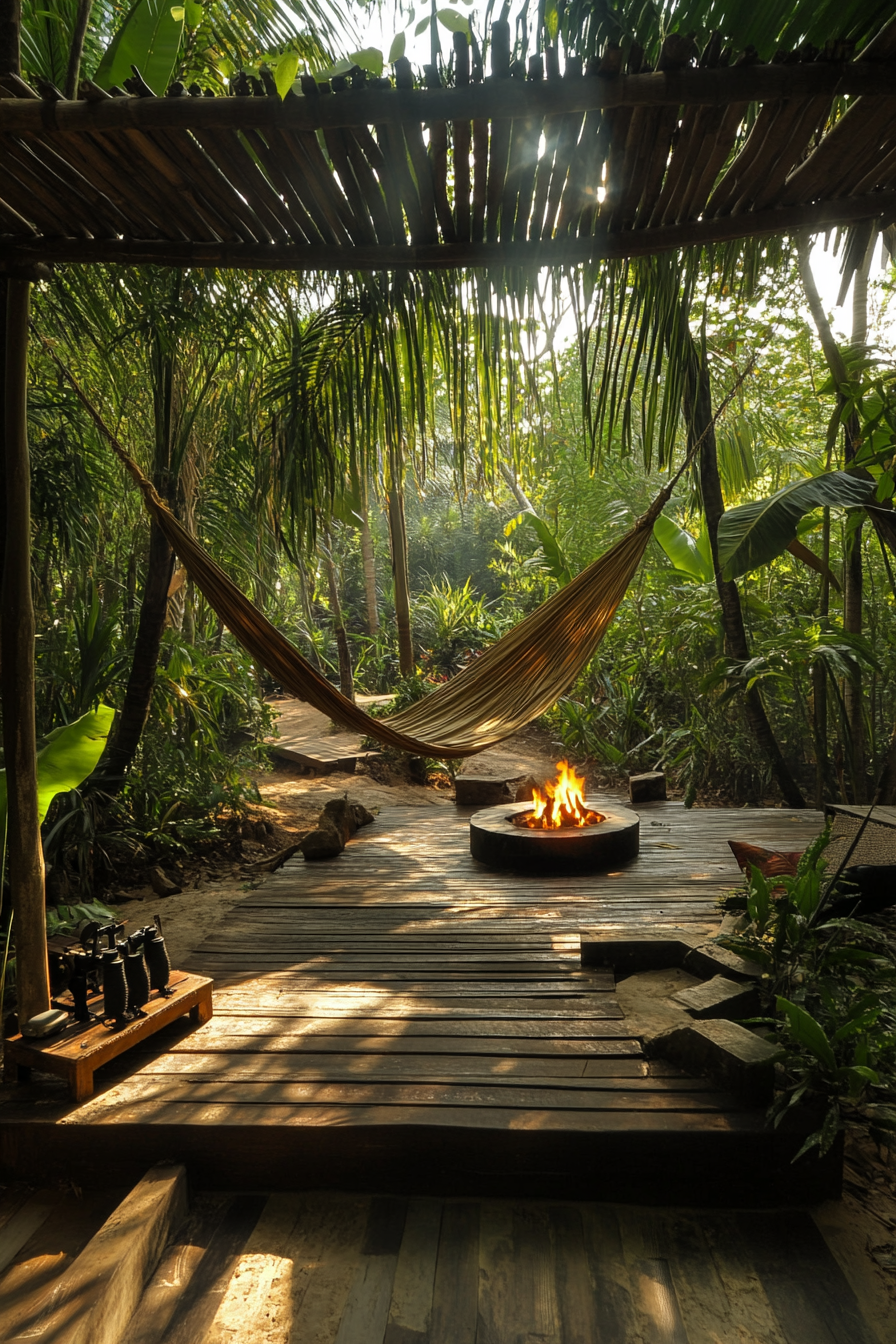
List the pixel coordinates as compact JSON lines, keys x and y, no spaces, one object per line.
{"x":333,"y":1268}
{"x":359,"y":1270}
{"x":403,"y":1018}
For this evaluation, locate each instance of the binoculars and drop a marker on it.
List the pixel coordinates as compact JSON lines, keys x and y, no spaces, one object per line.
{"x":129,"y":969}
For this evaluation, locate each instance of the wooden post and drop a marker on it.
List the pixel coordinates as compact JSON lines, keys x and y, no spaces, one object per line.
{"x":10,"y":37}
{"x":26,"y":864}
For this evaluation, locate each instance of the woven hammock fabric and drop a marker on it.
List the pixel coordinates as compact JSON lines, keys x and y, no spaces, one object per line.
{"x":517,"y":678}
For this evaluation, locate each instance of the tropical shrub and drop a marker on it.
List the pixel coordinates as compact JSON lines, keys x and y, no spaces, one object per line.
{"x":828,"y":988}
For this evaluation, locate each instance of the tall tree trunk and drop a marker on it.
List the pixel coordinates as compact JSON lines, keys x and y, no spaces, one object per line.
{"x":119,"y":756}
{"x":308,"y":613}
{"x":698,"y":412}
{"x":76,"y":49}
{"x":398,"y":539}
{"x":369,"y":561}
{"x":122,"y":749}
{"x":853,"y":697}
{"x":26,"y":860}
{"x":853,"y":694}
{"x":819,"y":678}
{"x":346,"y":680}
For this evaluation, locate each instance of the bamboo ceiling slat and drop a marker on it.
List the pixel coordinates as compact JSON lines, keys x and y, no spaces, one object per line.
{"x":524,"y":167}
{"x":808,"y":120}
{"x":233,"y":215}
{"x":303,"y":161}
{"x":879,"y":177}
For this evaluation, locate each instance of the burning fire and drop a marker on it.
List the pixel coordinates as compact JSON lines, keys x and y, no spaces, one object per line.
{"x":563,"y":806}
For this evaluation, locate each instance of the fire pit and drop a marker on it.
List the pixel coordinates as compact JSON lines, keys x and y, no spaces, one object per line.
{"x":558,"y":831}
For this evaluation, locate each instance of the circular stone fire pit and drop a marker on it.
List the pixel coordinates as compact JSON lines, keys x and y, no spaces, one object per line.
{"x":496,"y":841}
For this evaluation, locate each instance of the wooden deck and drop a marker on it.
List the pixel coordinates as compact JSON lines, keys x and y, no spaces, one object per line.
{"x":358,"y":1269}
{"x":401,"y":1018}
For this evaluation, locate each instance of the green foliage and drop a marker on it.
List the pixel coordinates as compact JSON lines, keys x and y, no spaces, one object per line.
{"x":69,"y":755}
{"x":65,"y":918}
{"x":753,"y":534}
{"x":829,"y":994}
{"x":451,"y":623}
{"x":555,"y":562}
{"x":689,"y":555}
{"x":149,"y":39}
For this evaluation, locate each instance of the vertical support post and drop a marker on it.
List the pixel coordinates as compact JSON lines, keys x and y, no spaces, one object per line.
{"x":26,"y":863}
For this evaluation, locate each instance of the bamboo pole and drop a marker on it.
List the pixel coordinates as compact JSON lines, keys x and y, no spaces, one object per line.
{"x":576,"y":93}
{"x":26,"y":863}
{"x":814,"y":217}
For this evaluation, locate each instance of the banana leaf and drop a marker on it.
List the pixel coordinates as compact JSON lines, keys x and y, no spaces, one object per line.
{"x":754,"y":534}
{"x":150,"y":39}
{"x":690,"y":555}
{"x":69,"y":756}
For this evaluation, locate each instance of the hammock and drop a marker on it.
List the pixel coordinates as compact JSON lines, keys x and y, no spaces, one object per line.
{"x":513,"y":681}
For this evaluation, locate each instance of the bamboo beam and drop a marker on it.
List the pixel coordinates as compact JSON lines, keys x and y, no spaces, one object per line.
{"x":683,"y":88}
{"x":26,"y":863}
{"x":455,"y":256}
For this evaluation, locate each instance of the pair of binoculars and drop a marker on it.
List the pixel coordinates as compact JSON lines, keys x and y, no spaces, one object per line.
{"x":130,"y":969}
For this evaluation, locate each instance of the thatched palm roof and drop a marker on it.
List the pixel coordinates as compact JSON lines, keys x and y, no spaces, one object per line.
{"x":527,"y":167}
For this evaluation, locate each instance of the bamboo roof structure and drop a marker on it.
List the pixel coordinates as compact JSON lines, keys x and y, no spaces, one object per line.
{"x":529,"y":166}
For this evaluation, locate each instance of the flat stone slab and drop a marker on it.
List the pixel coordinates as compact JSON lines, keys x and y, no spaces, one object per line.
{"x":485,"y":790}
{"x":633,"y":951}
{"x":711,"y":959}
{"x":719,"y":997}
{"x":729,"y":1054}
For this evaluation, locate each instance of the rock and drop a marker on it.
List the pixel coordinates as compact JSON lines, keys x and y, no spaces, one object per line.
{"x":483,"y":791}
{"x":325,"y":842}
{"x":162,"y":884}
{"x":247,"y":830}
{"x":526,"y":790}
{"x":338,"y":814}
{"x":361,"y":814}
{"x":647,"y":788}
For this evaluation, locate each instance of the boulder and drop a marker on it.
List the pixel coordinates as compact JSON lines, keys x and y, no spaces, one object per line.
{"x":525,"y":791}
{"x":162,"y":884}
{"x":338,"y":813}
{"x":324,"y":842}
{"x":362,"y":816}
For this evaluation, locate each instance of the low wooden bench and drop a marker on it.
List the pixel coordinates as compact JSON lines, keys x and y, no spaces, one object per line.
{"x":82,"y":1047}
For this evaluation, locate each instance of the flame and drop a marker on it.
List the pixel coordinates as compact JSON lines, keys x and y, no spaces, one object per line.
{"x":561,"y":804}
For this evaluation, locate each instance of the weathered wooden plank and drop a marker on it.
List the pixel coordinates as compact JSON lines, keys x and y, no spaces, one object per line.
{"x":366,"y":1068}
{"x":410,"y":1312}
{"x":324,"y":1266}
{"x":367,"y":1306}
{"x":608,"y":1030}
{"x":153,"y":1091}
{"x":646,"y":1251}
{"x":438,"y":1054}
{"x":257,"y":1305}
{"x":206,"y":1289}
{"x":455,"y":1304}
{"x":165,"y":1290}
{"x":805,"y":1285}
